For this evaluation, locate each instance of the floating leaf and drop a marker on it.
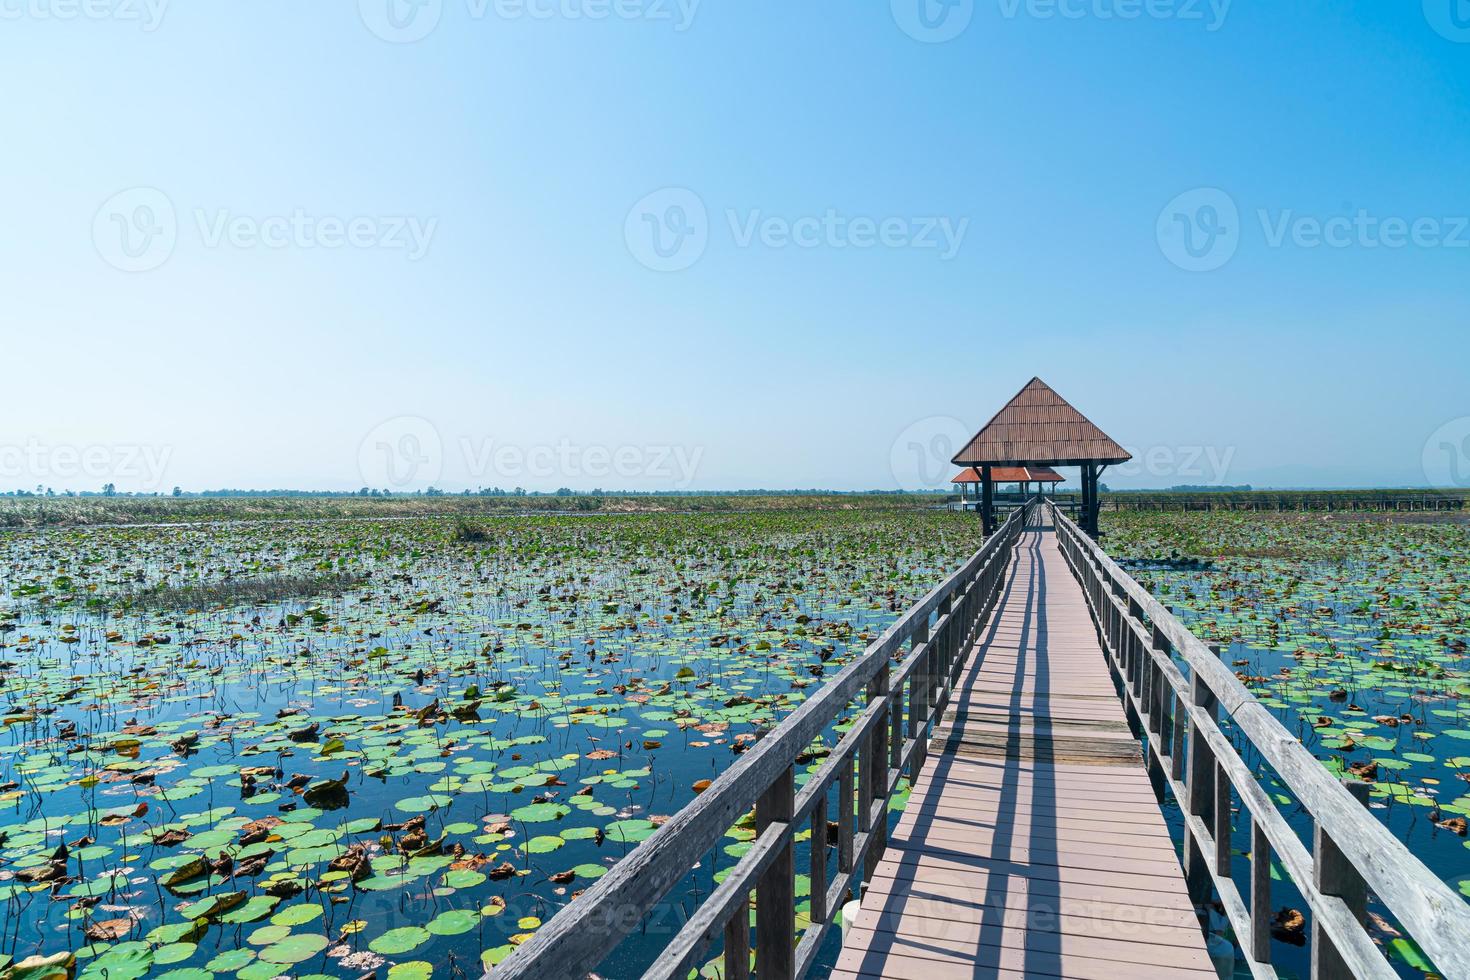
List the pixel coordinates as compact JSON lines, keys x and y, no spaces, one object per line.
{"x":452,"y":922}
{"x":400,"y":940}
{"x":294,"y":949}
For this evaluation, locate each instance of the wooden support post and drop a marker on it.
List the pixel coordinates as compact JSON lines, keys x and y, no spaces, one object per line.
{"x":1094,"y":505}
{"x":921,"y":690}
{"x":1199,"y":793}
{"x":845,"y":830}
{"x":775,"y":892}
{"x":1082,"y":504}
{"x":1222,"y":821}
{"x":1334,"y":874}
{"x":987,"y":501}
{"x":875,"y":777}
{"x":737,"y":943}
{"x":1177,"y":727}
{"x":1158,"y":704}
{"x":819,"y":860}
{"x":945,"y":652}
{"x":895,"y":726}
{"x":1261,"y":913}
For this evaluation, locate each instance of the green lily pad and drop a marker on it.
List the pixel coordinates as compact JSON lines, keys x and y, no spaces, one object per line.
{"x":400,"y":940}
{"x":294,"y":949}
{"x":453,"y":922}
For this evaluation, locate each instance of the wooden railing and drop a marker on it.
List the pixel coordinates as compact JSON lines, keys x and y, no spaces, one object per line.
{"x":903,"y":694}
{"x":1190,"y":754}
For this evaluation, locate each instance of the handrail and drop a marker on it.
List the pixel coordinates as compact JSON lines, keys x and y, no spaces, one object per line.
{"x":1352,"y":852}
{"x":884,"y":741}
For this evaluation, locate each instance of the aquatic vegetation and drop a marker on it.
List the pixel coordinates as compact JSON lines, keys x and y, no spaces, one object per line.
{"x":326,"y":748}
{"x":1354,"y":631}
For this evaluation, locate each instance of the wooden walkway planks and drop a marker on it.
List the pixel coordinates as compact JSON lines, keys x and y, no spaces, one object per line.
{"x":1032,"y":844}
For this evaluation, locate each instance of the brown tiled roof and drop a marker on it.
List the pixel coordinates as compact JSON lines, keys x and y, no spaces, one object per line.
{"x":1039,"y":427}
{"x":1011,"y":474}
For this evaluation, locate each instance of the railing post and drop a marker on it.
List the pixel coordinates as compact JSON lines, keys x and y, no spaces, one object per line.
{"x":948,"y":649}
{"x":1199,"y":791}
{"x":875,"y":778}
{"x":1178,"y":726}
{"x":1222,"y":821}
{"x":845,"y":830}
{"x":919,"y":690}
{"x":895,"y":726}
{"x":775,"y":891}
{"x":1158,"y":703}
{"x":962,"y":639}
{"x":819,"y":860}
{"x":1260,"y":937}
{"x":1334,"y":874}
{"x":737,"y":943}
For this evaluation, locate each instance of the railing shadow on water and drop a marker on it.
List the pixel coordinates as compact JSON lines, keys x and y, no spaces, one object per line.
{"x":902,"y":683}
{"x":1195,"y":761}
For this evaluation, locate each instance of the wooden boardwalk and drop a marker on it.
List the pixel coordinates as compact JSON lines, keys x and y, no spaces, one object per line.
{"x":1033,"y":844}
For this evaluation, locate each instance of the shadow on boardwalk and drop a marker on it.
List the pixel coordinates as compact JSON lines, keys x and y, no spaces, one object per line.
{"x":1032,"y":844}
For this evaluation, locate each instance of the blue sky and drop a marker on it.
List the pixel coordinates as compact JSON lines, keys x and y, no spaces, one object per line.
{"x":284,"y":244}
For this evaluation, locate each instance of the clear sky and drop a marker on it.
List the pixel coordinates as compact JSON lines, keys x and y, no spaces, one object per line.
{"x":663,"y":243}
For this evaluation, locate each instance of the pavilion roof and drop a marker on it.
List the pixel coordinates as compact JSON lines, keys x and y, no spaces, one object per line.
{"x":1011,"y":474}
{"x":1039,"y":427}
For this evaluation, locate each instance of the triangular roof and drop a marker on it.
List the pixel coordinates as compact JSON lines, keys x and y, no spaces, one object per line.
{"x":1011,"y":474}
{"x":1039,"y":427}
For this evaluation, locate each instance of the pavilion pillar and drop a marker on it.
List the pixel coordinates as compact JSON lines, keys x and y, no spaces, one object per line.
{"x":1090,"y":502}
{"x":1089,"y":499}
{"x":987,"y":501}
{"x":1082,"y":509}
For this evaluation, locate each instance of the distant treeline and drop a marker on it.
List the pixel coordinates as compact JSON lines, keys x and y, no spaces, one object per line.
{"x":110,"y":492}
{"x":94,"y":509}
{"x":42,"y":510}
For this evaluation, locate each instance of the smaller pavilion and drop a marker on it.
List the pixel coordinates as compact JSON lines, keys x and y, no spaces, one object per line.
{"x":967,"y":482}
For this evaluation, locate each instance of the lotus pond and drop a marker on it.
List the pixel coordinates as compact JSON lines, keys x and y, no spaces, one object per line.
{"x":346,"y":748}
{"x":1353,"y":631}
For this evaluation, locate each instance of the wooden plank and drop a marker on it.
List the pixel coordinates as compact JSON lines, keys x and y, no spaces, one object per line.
{"x":961,"y":893}
{"x":951,"y":883}
{"x":949,"y":833}
{"x":891,"y":956}
{"x":943,"y":940}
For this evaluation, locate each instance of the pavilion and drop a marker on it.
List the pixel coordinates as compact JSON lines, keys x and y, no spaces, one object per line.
{"x":1044,"y":477}
{"x":1039,"y":428}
